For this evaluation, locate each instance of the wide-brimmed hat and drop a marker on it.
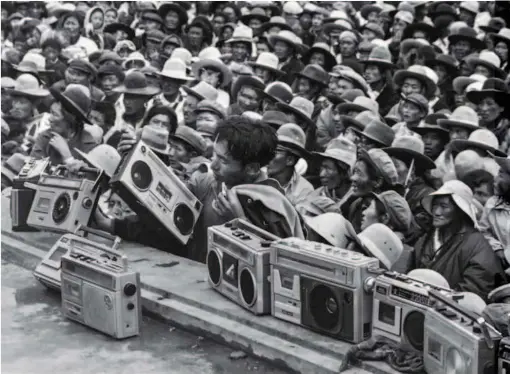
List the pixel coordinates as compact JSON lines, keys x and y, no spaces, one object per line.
{"x":430,"y":124}
{"x":408,"y":44}
{"x":274,"y":118}
{"x":375,"y":28}
{"x":397,"y":208}
{"x":361,"y":120}
{"x":443,"y":9}
{"x":492,"y":87}
{"x":381,"y":242}
{"x":292,"y":137}
{"x":461,"y":195}
{"x":314,"y":73}
{"x":494,"y":26}
{"x":468,"y":34}
{"x":353,"y":77}
{"x":246,"y":80}
{"x":340,"y":149}
{"x":369,"y":8}
{"x":382,"y":163}
{"x":268,"y":61}
{"x":103,"y":157}
{"x":76,"y":99}
{"x":285,"y":36}
{"x":408,"y":148}
{"x":481,"y":139}
{"x":429,"y":30}
{"x":300,"y":107}
{"x":417,"y":72}
{"x":470,"y":6}
{"x":13,"y":165}
{"x":202,"y":90}
{"x":488,"y":59}
{"x":156,"y":138}
{"x":175,"y":7}
{"x":418,"y":100}
{"x":32,"y":63}
{"x":255,"y":13}
{"x":332,"y":227}
{"x":378,"y":132}
{"x":135,"y":83}
{"x":277,"y":92}
{"x":28,"y":85}
{"x":360,"y":104}
{"x":241,"y":34}
{"x":502,"y":36}
{"x":190,"y":137}
{"x":112,"y":28}
{"x":379,"y":55}
{"x":337,"y":26}
{"x":275,"y":21}
{"x":463,"y":116}
{"x":211,"y":107}
{"x":323,"y":48}
{"x":214,"y":64}
{"x":151,"y":15}
{"x":503,"y":162}
{"x":460,"y":83}
{"x":448,"y":62}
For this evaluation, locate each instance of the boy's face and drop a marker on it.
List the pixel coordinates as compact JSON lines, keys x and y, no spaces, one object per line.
{"x":50,"y":53}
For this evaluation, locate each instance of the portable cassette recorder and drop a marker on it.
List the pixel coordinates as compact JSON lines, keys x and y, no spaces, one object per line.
{"x":504,"y":356}
{"x":48,"y":270}
{"x":400,"y":303}
{"x":22,"y":197}
{"x":323,"y":288}
{"x":64,"y":202}
{"x":238,"y":264}
{"x":458,"y":341}
{"x":153,"y":191}
{"x":99,"y":291}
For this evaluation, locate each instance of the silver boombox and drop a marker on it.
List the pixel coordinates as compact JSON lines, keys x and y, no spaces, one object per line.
{"x":457,"y":340}
{"x":62,"y":203}
{"x":48,"y":270}
{"x":152,"y":190}
{"x":323,"y":288}
{"x":400,"y":303}
{"x":238,"y":264}
{"x":99,"y":291}
{"x":21,"y":196}
{"x":504,"y":356}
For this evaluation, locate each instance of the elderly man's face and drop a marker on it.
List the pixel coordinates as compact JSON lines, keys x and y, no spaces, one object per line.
{"x":22,"y":107}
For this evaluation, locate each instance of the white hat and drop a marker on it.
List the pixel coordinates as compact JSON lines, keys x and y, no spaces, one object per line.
{"x":470,"y":6}
{"x":174,"y":69}
{"x":429,"y":276}
{"x":472,"y":302}
{"x":333,"y":227}
{"x":292,"y":7}
{"x":103,"y":157}
{"x":381,"y":242}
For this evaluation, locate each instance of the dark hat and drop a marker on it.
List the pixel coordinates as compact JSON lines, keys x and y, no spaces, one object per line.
{"x":155,"y":36}
{"x":151,"y":15}
{"x":292,"y":137}
{"x":84,"y":66}
{"x":429,"y":30}
{"x":430,"y":124}
{"x":408,"y":148}
{"x":379,"y":132}
{"x":274,"y":118}
{"x":443,"y":9}
{"x":449,"y":62}
{"x":495,"y":24}
{"x":246,"y":80}
{"x":300,"y":107}
{"x":112,"y":28}
{"x":110,"y":69}
{"x":76,"y":99}
{"x":206,"y":25}
{"x":275,"y":21}
{"x":107,"y":55}
{"x":369,"y":8}
{"x":467,"y":34}
{"x":323,"y":48}
{"x":255,"y":13}
{"x":419,"y":100}
{"x":135,"y":83}
{"x":175,"y":7}
{"x":191,"y":137}
{"x":502,"y":36}
{"x":314,"y":73}
{"x":492,"y":87}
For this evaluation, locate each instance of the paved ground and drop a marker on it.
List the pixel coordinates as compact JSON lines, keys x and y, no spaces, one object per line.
{"x":36,"y":339}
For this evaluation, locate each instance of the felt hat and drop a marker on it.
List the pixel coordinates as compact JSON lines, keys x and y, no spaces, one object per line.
{"x":503,"y":162}
{"x":156,"y":139}
{"x":460,"y":83}
{"x":284,"y":36}
{"x":174,"y":7}
{"x":468,"y":34}
{"x":443,"y":8}
{"x":428,"y":29}
{"x":83,"y":66}
{"x":103,"y":157}
{"x":381,"y":56}
{"x":190,"y":137}
{"x":151,"y":15}
{"x":202,"y":90}
{"x":337,"y":26}
{"x":242,"y":34}
{"x":255,"y":13}
{"x":488,"y":59}
{"x":481,"y":139}
{"x":7,"y":83}
{"x":135,"y":83}
{"x":214,"y":64}
{"x":323,"y":48}
{"x":463,"y":116}
{"x":340,"y":149}
{"x":367,"y":9}
{"x":381,"y":242}
{"x":408,"y":148}
{"x":470,"y":6}
{"x":361,"y":120}
{"x":408,"y":44}
{"x":13,"y":165}
{"x":28,"y":85}
{"x":292,"y":7}
{"x":246,"y":80}
{"x":314,"y":73}
{"x":332,"y":227}
{"x":419,"y":100}
{"x":32,"y":63}
{"x":417,"y":72}
{"x":275,"y":21}
{"x":429,"y":124}
{"x":397,"y":209}
{"x":360,"y":104}
{"x":211,"y":107}
{"x":503,"y":35}
{"x":335,"y":15}
{"x":268,"y":61}
{"x":379,"y":132}
{"x":461,"y":195}
{"x":76,"y":99}
{"x":293,"y":137}
{"x":112,"y":28}
{"x":375,"y":28}
{"x":382,"y":163}
{"x":274,"y":118}
{"x":300,"y":107}
{"x":494,"y":26}
{"x":277,"y":92}
{"x":492,"y":87}
{"x":448,"y":62}
{"x":353,"y":77}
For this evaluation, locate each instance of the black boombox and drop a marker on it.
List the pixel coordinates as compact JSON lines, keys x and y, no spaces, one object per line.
{"x":22,"y":196}
{"x":64,"y":202}
{"x":152,"y":191}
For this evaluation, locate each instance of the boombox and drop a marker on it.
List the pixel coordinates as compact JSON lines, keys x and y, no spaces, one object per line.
{"x":99,"y":291}
{"x":400,"y":303}
{"x":457,"y":340}
{"x":323,"y":288}
{"x":504,"y":356}
{"x":48,"y":270}
{"x":22,"y":196}
{"x":152,"y":190}
{"x":62,"y":203}
{"x":238,"y":264}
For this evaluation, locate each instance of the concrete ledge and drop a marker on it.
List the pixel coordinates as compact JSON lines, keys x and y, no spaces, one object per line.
{"x":175,"y":289}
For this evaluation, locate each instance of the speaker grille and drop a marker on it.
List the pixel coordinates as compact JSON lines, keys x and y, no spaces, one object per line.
{"x":141,"y":175}
{"x":324,"y":307}
{"x":248,"y":287}
{"x":413,"y":329}
{"x":61,"y":208}
{"x":214,"y":267}
{"x":184,"y":219}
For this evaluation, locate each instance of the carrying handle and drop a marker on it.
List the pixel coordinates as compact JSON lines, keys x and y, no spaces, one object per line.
{"x":59,"y":169}
{"x":88,"y":230}
{"x":469,"y":314}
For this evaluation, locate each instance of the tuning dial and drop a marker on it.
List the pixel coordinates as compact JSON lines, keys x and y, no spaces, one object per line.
{"x":87,"y":203}
{"x":130,"y":306}
{"x":129,"y":289}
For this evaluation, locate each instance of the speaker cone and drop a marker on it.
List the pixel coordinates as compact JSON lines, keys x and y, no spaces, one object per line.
{"x":324,"y":307}
{"x":184,"y":219}
{"x":214,"y":267}
{"x":141,"y":175}
{"x":247,"y":286}
{"x":413,"y":329}
{"x":61,"y":208}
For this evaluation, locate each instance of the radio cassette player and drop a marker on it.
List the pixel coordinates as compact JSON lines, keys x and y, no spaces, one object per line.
{"x":457,"y":340}
{"x":238,"y":264}
{"x":504,"y":356}
{"x":323,"y":288}
{"x":400,"y":303}
{"x":48,"y":270}
{"x":99,"y":291}
{"x":62,"y":202}
{"x":152,"y":190}
{"x":22,"y":196}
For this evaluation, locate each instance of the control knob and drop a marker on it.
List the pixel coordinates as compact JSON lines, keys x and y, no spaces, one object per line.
{"x":129,"y":289}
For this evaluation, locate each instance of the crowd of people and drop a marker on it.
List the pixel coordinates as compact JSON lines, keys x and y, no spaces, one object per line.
{"x":309,"y":119}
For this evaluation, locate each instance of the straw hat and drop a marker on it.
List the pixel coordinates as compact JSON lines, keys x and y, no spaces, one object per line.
{"x":488,"y":59}
{"x":463,"y":116}
{"x":268,"y":61}
{"x":28,"y":85}
{"x":293,"y":137}
{"x":408,"y":148}
{"x":341,"y":150}
{"x":481,"y":139}
{"x":418,"y":72}
{"x":76,"y":99}
{"x":103,"y":157}
{"x":381,"y":242}
{"x":301,"y":107}
{"x":333,"y":228}
{"x":461,"y":195}
{"x":135,"y":83}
